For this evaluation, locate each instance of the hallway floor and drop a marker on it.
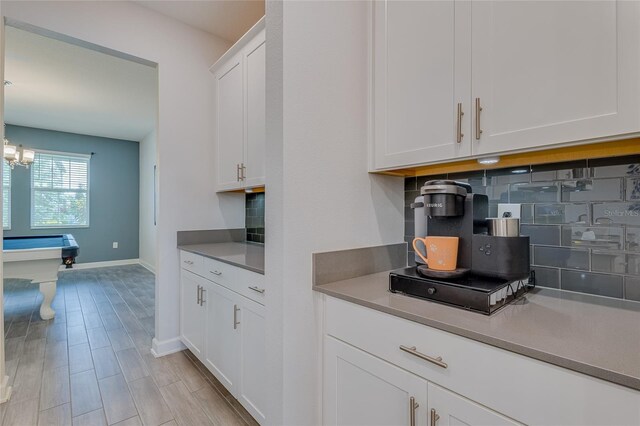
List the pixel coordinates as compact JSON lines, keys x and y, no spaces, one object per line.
{"x":91,"y":364}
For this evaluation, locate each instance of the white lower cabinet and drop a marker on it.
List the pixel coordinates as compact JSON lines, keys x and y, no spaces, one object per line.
{"x":448,"y":409}
{"x":192,"y":314}
{"x":226,"y":331}
{"x":374,"y":363}
{"x":223,"y":335}
{"x":253,"y":377}
{"x":361,"y":389}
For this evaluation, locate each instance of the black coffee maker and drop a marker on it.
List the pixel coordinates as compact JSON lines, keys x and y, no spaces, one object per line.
{"x":452,"y":209}
{"x":492,"y":270}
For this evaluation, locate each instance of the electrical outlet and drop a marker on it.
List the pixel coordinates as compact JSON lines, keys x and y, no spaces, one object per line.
{"x":514,"y":209}
{"x":115,"y":244}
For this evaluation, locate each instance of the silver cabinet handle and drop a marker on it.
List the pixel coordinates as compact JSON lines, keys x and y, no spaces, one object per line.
{"x":202,"y":290}
{"x":242,"y":169}
{"x":413,"y":405}
{"x":257,"y":289}
{"x":198,"y":295}
{"x":235,"y":316}
{"x":237,"y":172}
{"x":216,"y":272}
{"x":459,"y":134}
{"x":412,"y":350}
{"x":478,"y":127}
{"x":188,"y":262}
{"x":434,"y":417}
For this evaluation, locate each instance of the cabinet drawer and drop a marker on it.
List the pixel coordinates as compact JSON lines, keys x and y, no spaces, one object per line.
{"x":247,"y":283}
{"x":505,"y":381}
{"x":191,"y":262}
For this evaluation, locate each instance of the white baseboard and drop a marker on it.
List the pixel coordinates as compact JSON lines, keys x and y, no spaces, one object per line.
{"x":104,"y":264}
{"x":147,"y":266}
{"x":166,"y":347}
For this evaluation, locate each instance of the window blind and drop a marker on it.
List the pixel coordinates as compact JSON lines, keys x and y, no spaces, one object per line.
{"x":59,"y":190}
{"x":6,"y":197}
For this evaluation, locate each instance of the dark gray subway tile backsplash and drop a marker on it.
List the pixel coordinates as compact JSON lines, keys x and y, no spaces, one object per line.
{"x":610,"y":238}
{"x":632,"y":288}
{"x":560,"y":213}
{"x":254,"y":217}
{"x":583,"y":219}
{"x":616,"y":213}
{"x":588,"y":282}
{"x":549,"y":276}
{"x":561,"y":257}
{"x":542,"y":234}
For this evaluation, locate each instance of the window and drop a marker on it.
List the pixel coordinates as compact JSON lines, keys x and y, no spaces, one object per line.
{"x":59,"y":190}
{"x":6,"y":197}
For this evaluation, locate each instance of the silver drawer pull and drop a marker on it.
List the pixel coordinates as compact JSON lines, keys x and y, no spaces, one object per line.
{"x":235,"y":316}
{"x":258,"y":289}
{"x":412,"y":350}
{"x":413,"y":406}
{"x":478,"y":111}
{"x":188,"y":262}
{"x":216,"y":272}
{"x":434,"y":417}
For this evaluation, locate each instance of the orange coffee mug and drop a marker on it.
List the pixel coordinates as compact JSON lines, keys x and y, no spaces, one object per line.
{"x":441,"y":252}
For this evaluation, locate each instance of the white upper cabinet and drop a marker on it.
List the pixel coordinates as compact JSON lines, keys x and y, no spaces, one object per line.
{"x":230,"y":123}
{"x":548,"y":72}
{"x":256,"y":101}
{"x":421,"y":74}
{"x":240,"y":112}
{"x":527,"y":74}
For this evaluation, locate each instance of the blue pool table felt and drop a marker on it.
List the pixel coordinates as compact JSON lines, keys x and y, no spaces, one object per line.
{"x":66,"y":242}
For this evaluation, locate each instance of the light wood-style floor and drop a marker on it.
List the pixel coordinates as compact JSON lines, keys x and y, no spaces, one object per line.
{"x":91,"y":365}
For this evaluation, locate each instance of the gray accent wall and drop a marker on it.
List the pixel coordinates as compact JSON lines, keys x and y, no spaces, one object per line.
{"x":583,"y":219}
{"x":113,"y":197}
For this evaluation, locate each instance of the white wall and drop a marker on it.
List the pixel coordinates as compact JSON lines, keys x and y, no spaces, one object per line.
{"x":185,"y":134}
{"x":147,"y":251}
{"x":320,"y":196}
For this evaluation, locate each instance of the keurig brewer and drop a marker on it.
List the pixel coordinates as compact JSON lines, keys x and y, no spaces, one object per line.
{"x":491,"y":269}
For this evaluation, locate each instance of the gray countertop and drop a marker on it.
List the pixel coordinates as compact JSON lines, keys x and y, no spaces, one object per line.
{"x":244,"y":255}
{"x":591,"y":335}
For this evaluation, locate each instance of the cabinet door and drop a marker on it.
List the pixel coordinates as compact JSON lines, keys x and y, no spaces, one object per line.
{"x":360,"y":389}
{"x":254,"y":155}
{"x":230,"y":124}
{"x":192,"y":315}
{"x":253,"y":380}
{"x":454,"y":410}
{"x":223,"y":335}
{"x":548,"y":72}
{"x":421,"y":72}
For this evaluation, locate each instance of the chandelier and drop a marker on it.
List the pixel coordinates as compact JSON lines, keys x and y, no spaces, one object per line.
{"x":17,"y":156}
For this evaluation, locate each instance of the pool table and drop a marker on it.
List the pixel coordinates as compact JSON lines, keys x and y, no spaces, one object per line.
{"x":38,"y":258}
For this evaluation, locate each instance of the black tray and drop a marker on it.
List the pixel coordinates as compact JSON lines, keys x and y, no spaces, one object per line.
{"x":470,"y":292}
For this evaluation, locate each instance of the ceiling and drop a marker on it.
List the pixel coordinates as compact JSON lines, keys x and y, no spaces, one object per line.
{"x":65,"y":87}
{"x":228,"y":19}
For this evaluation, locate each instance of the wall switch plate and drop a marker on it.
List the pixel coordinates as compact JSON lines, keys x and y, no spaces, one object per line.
{"x":514,"y":209}
{"x":115,"y":244}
